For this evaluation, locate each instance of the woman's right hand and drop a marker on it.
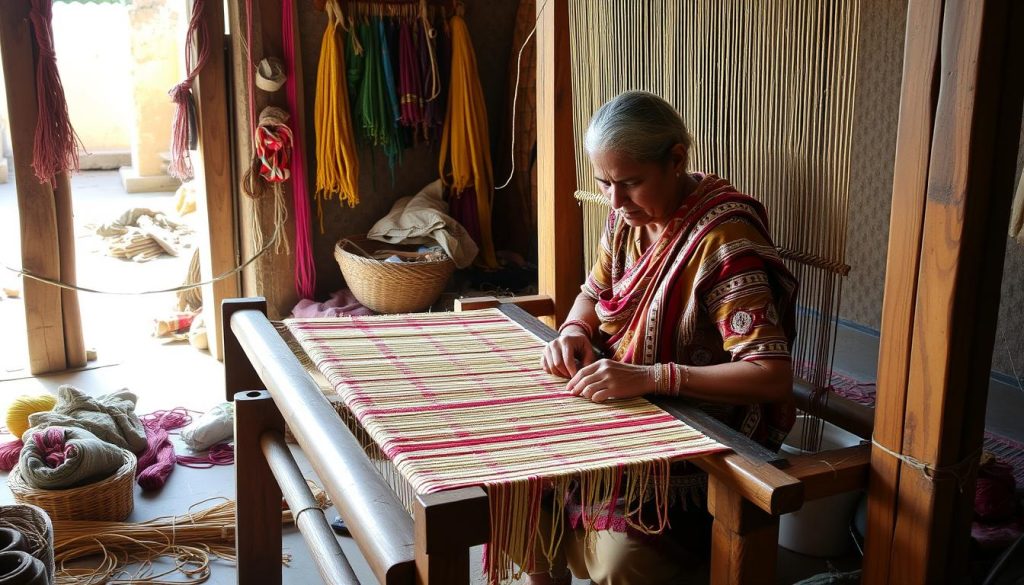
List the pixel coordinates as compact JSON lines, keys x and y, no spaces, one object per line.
{"x":561,"y":354}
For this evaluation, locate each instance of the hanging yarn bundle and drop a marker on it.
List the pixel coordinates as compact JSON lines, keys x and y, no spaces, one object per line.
{"x":56,"y":144}
{"x":337,"y":158}
{"x":374,"y":111}
{"x":272,"y":142}
{"x":184,"y":127}
{"x":465,"y":142}
{"x":305,"y":266}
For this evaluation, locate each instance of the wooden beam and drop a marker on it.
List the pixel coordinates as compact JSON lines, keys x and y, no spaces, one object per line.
{"x":37,"y":212}
{"x":447,"y":525}
{"x":71,"y":314}
{"x":536,"y":305}
{"x":559,"y":219}
{"x":828,"y":473}
{"x":744,"y":539}
{"x":970,"y":180}
{"x":216,"y":199}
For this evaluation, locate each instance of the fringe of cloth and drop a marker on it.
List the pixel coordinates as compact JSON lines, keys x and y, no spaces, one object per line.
{"x":56,"y":144}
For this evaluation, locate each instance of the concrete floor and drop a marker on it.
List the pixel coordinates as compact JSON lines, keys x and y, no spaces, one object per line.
{"x":166,"y":376}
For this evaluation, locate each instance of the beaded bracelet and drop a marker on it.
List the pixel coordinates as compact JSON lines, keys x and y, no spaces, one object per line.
{"x":587,"y":329}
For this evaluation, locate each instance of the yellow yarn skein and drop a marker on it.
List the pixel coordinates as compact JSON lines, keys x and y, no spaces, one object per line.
{"x":17,"y":414}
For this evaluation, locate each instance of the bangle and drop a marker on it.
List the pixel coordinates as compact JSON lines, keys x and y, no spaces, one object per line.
{"x":670,"y":379}
{"x":587,"y":329}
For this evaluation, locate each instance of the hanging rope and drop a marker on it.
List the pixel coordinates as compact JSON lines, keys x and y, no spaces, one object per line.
{"x":337,"y":158}
{"x":184,"y":130}
{"x":56,"y":144}
{"x":465,"y":142}
{"x":305,"y":266}
{"x":273,"y":142}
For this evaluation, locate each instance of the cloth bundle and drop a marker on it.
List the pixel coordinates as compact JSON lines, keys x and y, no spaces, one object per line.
{"x":423,"y":219}
{"x":110,"y":418}
{"x":141,"y":234}
{"x":62,"y":457}
{"x":213,"y":427}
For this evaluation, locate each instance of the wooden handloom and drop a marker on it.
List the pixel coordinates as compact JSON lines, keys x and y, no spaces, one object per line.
{"x":748,"y":487}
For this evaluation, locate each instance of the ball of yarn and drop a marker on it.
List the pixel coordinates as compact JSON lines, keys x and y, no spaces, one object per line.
{"x":9,"y":454}
{"x":17,"y":413}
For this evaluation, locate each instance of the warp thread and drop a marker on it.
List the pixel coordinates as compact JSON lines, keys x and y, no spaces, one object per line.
{"x":22,"y":407}
{"x":56,"y":144}
{"x":184,"y":128}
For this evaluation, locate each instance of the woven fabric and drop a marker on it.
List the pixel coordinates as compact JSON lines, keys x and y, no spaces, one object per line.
{"x":459,"y":399}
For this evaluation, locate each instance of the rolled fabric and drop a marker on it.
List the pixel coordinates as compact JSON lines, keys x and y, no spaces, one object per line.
{"x":62,"y":457}
{"x":110,"y":417}
{"x":11,"y":539}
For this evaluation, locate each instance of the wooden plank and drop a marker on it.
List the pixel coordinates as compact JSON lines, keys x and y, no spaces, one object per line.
{"x":447,"y":525}
{"x":257,"y":495}
{"x":216,"y":199}
{"x":764,"y":486}
{"x":743,"y":538}
{"x":831,"y":472}
{"x":36,"y":206}
{"x":913,"y":148}
{"x":959,"y":282}
{"x":71,"y":314}
{"x":559,"y":219}
{"x":536,"y":305}
{"x":239,"y":374}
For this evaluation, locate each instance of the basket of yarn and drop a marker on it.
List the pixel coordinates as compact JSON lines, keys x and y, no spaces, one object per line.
{"x":111,"y":499}
{"x":36,"y":530}
{"x":407,"y":281}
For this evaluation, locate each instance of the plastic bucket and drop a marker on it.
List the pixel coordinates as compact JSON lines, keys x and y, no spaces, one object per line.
{"x":822,"y":527}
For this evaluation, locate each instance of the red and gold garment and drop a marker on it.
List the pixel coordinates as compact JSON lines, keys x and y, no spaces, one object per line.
{"x":712,"y":289}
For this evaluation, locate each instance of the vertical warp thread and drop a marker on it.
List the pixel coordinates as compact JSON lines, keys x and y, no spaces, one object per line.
{"x":184,"y":131}
{"x":55,"y":148}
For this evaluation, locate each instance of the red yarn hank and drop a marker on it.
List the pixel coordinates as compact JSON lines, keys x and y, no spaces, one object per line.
{"x":52,"y":446}
{"x":56,"y":145}
{"x":219,"y":454}
{"x":157,"y":462}
{"x":168,"y":420}
{"x":305,"y":266}
{"x":183,"y":126}
{"x":9,"y":454}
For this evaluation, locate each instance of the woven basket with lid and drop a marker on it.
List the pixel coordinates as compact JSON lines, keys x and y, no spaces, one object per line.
{"x":390,"y":287}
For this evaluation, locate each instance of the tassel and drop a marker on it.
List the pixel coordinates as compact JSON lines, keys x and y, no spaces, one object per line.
{"x":56,"y":144}
{"x":184,"y":131}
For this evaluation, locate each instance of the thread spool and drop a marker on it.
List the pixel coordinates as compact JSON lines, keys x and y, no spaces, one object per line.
{"x":22,"y":407}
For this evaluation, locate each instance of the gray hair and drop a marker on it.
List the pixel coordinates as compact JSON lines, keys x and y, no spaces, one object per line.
{"x":639,"y":125}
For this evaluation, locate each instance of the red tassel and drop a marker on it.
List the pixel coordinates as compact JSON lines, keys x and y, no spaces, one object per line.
{"x":56,"y":144}
{"x":183,"y":127}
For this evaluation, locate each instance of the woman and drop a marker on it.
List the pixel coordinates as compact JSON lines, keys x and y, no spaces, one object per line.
{"x":688,"y":298}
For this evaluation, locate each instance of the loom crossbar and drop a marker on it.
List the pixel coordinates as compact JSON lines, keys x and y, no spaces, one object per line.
{"x":377,"y":520}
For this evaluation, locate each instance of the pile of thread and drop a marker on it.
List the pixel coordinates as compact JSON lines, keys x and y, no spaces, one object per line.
{"x":56,"y":447}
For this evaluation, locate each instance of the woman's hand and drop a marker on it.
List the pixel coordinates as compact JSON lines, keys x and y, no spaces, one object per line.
{"x":561,"y":354}
{"x":609,"y":379}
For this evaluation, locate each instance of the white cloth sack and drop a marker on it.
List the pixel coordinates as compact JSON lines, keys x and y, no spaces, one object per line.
{"x":423,"y":219}
{"x":216,"y":425}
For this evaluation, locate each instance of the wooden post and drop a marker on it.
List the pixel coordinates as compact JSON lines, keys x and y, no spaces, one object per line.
{"x":939,"y":320}
{"x":239,"y":374}
{"x":37,"y":209}
{"x":447,"y":525}
{"x":559,"y":219}
{"x":272,"y":276}
{"x":71,"y":314}
{"x":216,"y":200}
{"x":744,"y":539}
{"x":257,"y":494}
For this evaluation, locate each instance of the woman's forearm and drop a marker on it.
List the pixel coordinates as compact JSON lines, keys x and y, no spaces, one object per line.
{"x":744,"y":382}
{"x":583,"y":310}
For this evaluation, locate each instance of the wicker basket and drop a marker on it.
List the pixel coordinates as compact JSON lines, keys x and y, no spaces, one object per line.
{"x":110,"y":499}
{"x":390,"y":287}
{"x":32,"y":522}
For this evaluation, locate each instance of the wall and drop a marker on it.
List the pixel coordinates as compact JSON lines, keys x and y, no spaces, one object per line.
{"x":490,"y":24}
{"x":874,"y":147}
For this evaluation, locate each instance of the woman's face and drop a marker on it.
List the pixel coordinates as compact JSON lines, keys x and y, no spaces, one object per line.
{"x":643,"y":192}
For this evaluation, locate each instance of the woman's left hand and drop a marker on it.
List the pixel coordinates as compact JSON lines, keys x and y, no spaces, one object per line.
{"x":609,"y":379}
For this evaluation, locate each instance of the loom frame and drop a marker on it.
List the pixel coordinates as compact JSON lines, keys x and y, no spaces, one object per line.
{"x":747,"y":493}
